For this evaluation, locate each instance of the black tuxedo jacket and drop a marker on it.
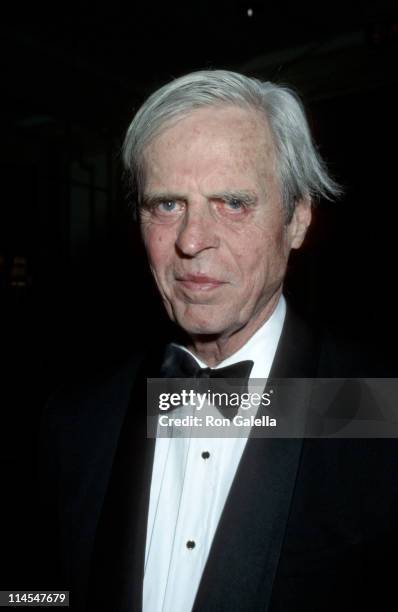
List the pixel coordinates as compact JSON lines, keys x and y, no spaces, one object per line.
{"x":309,"y":524}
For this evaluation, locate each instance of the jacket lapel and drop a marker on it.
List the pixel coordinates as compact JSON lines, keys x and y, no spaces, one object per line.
{"x":118,"y":564}
{"x":244,"y":557}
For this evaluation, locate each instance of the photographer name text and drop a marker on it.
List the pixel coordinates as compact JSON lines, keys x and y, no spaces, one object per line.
{"x":213,"y":421}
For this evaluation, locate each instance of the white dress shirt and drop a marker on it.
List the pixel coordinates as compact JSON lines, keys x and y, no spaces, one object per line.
{"x":191,"y":479}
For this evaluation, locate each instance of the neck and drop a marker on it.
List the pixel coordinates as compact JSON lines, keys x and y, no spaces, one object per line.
{"x":213,"y":349}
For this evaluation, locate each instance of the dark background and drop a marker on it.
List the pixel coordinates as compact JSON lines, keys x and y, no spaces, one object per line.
{"x":73,"y":288}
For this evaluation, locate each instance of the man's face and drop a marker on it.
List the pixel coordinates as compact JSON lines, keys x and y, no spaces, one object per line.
{"x":213,"y":223}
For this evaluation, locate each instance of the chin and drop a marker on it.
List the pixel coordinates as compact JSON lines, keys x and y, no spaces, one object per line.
{"x":194,"y":324}
{"x":200,"y":329}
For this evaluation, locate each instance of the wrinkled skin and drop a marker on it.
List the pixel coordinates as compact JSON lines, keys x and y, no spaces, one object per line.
{"x":214,"y":227}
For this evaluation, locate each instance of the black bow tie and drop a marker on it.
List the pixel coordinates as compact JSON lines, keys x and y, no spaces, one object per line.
{"x":177,"y":363}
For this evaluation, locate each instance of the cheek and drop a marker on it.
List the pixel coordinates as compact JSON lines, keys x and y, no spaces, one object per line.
{"x":267,"y":260}
{"x":160,"y":247}
{"x":156,"y":246}
{"x":259,"y":251}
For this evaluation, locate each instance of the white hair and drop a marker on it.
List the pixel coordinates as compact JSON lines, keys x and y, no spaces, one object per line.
{"x":302,"y":172}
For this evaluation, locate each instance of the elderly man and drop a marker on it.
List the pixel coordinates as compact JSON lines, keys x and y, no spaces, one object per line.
{"x":223,"y":173}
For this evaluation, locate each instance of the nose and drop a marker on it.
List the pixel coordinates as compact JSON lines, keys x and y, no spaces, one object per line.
{"x":197,"y":232}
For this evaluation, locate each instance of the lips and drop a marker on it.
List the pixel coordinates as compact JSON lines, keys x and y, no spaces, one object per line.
{"x":199,"y":282}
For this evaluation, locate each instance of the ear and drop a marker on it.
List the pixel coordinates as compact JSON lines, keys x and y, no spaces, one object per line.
{"x":300,"y":222}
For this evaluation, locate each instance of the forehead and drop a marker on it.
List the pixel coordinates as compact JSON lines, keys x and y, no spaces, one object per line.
{"x":224,"y":136}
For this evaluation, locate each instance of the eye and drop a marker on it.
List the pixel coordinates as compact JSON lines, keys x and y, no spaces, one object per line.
{"x":235,"y":204}
{"x":164,"y":207}
{"x":167,"y":206}
{"x":162,"y":210}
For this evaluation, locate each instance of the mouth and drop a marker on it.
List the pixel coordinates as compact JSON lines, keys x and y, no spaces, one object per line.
{"x":199,"y":282}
